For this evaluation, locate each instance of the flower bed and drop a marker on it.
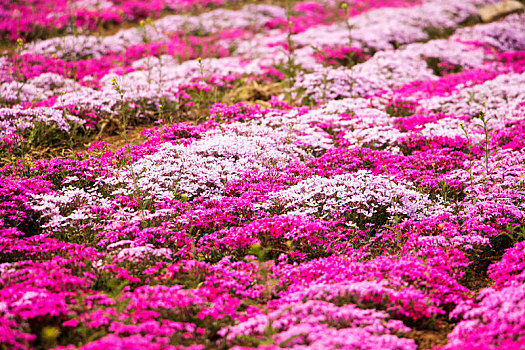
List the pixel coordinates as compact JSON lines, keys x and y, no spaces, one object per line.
{"x":302,"y":177}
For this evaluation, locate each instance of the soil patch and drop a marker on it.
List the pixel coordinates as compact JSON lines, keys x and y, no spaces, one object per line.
{"x":429,"y":338}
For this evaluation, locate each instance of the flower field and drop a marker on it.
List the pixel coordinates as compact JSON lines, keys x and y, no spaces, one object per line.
{"x":216,"y":174}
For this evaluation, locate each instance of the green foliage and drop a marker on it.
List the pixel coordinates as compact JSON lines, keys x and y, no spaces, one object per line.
{"x":438,"y":32}
{"x":398,"y":109}
{"x":440,"y":68}
{"x":515,"y":232}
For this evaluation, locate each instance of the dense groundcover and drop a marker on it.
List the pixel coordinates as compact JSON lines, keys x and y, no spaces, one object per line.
{"x":221,"y":174}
